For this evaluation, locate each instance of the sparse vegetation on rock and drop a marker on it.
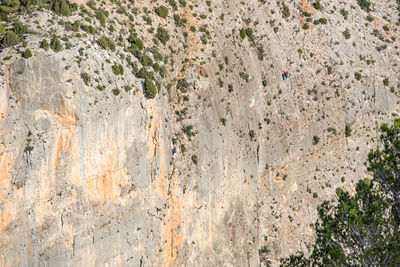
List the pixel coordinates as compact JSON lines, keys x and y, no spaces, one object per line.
{"x":27,"y":53}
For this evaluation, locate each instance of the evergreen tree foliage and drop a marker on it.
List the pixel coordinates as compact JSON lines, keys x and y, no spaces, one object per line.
{"x":150,"y":89}
{"x":162,"y":35}
{"x":162,"y":11}
{"x":384,"y":164}
{"x":2,"y":28}
{"x":9,"y":6}
{"x":62,"y":7}
{"x":10,"y":39}
{"x":20,"y":29}
{"x":363,"y":229}
{"x":55,"y":44}
{"x":44,"y":44}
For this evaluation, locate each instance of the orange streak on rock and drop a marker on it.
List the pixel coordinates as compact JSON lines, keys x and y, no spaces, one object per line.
{"x":6,"y":166}
{"x":107,"y":185}
{"x":6,"y":215}
{"x":172,"y":230}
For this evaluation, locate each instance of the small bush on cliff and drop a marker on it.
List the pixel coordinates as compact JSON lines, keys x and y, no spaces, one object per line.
{"x":2,"y":28}
{"x":106,"y":43}
{"x":55,"y":44}
{"x":150,"y":88}
{"x":20,"y":29}
{"x":86,"y":78}
{"x":101,"y":17}
{"x":9,"y":6}
{"x":242,"y":33}
{"x":162,"y":35}
{"x":285,"y":11}
{"x":10,"y":38}
{"x":118,"y":69}
{"x":27,"y":53}
{"x":62,"y":7}
{"x":44,"y":44}
{"x":364,"y":4}
{"x":317,"y":5}
{"x":162,"y":11}
{"x":135,"y":42}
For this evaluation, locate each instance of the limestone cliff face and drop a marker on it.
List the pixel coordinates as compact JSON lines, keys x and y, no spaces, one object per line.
{"x":88,"y":177}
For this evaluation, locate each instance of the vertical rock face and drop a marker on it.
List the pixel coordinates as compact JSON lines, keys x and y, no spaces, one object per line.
{"x":78,"y":172}
{"x":90,"y":177}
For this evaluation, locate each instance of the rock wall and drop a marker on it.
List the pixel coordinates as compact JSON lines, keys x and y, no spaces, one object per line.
{"x":89,"y":178}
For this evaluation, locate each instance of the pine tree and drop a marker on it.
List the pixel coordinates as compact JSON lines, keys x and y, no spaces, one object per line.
{"x":10,"y":38}
{"x":363,"y":229}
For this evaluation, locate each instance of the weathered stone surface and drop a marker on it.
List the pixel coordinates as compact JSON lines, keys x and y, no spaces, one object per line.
{"x":88,"y":177}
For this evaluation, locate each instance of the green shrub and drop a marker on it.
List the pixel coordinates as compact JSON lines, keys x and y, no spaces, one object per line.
{"x":194,"y":159}
{"x":136,"y":42}
{"x":88,"y":28}
{"x":173,"y":4}
{"x":386,"y":81}
{"x":264,"y":83}
{"x":179,"y":21}
{"x":145,"y":60}
{"x":223,"y":121}
{"x":91,"y":4}
{"x":306,"y":26}
{"x":346,"y":34}
{"x":364,"y":4}
{"x":55,"y":44}
{"x":285,"y":11}
{"x":116,"y":91}
{"x":9,"y":6}
{"x":242,"y":33}
{"x":347,"y":130}
{"x":188,"y":130}
{"x":2,"y":29}
{"x":162,"y":35}
{"x":323,"y":20}
{"x":143,"y":73}
{"x":315,"y":139}
{"x":44,"y":44}
{"x":249,"y":32}
{"x":385,"y":28}
{"x":27,"y":53}
{"x":329,"y":70}
{"x":62,"y":7}
{"x":317,"y":5}
{"x":10,"y":38}
{"x":150,"y":89}
{"x":106,"y":43}
{"x":75,"y":26}
{"x":118,"y":69}
{"x":100,"y":16}
{"x":162,"y":11}
{"x":20,"y":28}
{"x":86,"y":78}
{"x":357,"y":75}
{"x":252,"y":134}
{"x":344,"y":13}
